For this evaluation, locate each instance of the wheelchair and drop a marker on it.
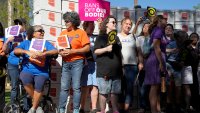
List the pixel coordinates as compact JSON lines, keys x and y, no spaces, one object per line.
{"x":46,"y":102}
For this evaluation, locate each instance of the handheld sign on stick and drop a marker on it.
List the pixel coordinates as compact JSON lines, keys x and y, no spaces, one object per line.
{"x":112,"y":37}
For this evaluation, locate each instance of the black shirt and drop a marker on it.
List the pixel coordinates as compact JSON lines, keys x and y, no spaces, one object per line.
{"x":109,"y":63}
{"x":189,"y":56}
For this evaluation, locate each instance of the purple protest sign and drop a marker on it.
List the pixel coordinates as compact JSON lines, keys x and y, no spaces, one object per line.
{"x":91,"y":10}
{"x":13,"y":30}
{"x":37,"y":44}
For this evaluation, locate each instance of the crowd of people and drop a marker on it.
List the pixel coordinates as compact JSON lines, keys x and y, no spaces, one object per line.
{"x":163,"y":62}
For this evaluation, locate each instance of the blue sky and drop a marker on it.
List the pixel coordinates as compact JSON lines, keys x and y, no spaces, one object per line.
{"x":158,"y":4}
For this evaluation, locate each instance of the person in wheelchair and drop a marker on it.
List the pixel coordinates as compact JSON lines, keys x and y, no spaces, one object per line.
{"x":35,"y":64}
{"x":3,"y":62}
{"x":13,"y":61}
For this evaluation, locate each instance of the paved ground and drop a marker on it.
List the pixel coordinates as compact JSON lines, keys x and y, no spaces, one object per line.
{"x":8,"y":99}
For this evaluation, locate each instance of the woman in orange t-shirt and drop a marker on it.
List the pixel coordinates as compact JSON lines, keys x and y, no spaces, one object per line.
{"x":72,"y":60}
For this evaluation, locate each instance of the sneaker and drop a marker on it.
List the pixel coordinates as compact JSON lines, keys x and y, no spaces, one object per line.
{"x":190,"y":110}
{"x":94,"y":111}
{"x":141,"y":111}
{"x":39,"y":110}
{"x":31,"y":110}
{"x":76,"y":111}
{"x":61,"y":110}
{"x":116,"y":112}
{"x":122,"y":111}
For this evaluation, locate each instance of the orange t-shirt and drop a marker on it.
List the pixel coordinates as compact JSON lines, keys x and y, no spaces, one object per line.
{"x":77,"y":39}
{"x":1,"y":46}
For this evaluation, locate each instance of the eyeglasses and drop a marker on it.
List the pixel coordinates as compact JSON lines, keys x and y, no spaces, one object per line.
{"x":113,"y":22}
{"x":40,"y":30}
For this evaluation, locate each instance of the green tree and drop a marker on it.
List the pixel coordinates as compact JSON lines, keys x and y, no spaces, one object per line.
{"x":20,"y":9}
{"x":197,"y":7}
{"x":4,"y":13}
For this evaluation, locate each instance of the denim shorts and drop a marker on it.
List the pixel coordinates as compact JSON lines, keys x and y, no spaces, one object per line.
{"x":177,"y":78}
{"x":38,"y":81}
{"x":177,"y":75}
{"x":109,"y":86}
{"x":88,"y":76}
{"x":186,"y":75}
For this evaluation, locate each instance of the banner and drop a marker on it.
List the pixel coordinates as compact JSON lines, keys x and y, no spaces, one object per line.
{"x":91,"y":10}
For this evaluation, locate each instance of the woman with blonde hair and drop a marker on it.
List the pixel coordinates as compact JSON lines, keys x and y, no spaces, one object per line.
{"x":130,"y":55}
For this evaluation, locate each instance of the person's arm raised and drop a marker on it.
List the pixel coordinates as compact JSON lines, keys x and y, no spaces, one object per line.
{"x":139,"y":21}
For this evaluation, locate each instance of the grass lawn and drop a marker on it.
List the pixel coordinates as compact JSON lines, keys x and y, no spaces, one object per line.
{"x":7,"y":95}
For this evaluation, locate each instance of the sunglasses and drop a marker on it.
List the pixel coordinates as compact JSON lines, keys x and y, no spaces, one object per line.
{"x":113,"y":22}
{"x":40,"y":30}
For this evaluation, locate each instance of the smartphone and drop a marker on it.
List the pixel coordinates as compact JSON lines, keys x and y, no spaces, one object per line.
{"x":144,"y":18}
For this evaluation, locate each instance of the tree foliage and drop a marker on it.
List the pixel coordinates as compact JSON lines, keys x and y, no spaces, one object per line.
{"x":197,"y":7}
{"x":21,"y":9}
{"x":3,"y":13}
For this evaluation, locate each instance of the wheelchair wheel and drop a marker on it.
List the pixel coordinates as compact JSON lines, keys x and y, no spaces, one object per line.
{"x":50,"y":107}
{"x":11,"y":108}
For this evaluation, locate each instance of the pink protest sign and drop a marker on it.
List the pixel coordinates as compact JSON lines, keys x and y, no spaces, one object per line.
{"x":91,"y":10}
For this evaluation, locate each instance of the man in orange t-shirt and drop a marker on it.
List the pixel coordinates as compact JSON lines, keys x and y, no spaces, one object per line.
{"x":73,"y":60}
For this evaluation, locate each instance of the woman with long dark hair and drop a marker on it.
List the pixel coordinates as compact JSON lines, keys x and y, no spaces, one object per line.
{"x":155,"y":64}
{"x":130,"y":62}
{"x":195,"y":62}
{"x":143,"y":44}
{"x":109,"y":64}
